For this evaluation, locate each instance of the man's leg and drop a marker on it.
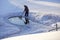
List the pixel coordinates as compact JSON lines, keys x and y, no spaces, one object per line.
{"x":27,"y":20}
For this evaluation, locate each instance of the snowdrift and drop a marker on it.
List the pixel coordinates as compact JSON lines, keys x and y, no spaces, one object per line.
{"x":39,"y":36}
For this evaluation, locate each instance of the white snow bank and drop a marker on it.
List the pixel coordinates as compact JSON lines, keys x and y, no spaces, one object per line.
{"x":40,"y":36}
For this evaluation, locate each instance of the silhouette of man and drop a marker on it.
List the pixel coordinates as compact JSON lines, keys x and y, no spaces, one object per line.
{"x":26,"y":11}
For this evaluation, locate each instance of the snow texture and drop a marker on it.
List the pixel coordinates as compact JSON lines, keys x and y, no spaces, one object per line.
{"x":40,"y":19}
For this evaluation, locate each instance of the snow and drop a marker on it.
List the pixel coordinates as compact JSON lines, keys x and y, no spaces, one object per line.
{"x":10,"y":27}
{"x":39,"y":36}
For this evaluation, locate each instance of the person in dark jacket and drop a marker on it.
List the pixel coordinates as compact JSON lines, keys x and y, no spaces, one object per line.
{"x":26,"y":11}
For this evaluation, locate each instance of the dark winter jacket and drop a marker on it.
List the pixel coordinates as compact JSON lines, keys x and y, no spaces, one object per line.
{"x":26,"y":10}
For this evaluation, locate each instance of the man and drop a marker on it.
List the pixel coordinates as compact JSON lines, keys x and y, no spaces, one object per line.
{"x":26,"y":11}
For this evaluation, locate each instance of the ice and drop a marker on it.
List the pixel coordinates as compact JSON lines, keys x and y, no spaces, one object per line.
{"x":17,"y":21}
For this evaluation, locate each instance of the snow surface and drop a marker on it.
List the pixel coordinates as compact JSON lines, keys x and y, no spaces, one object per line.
{"x":39,"y":36}
{"x":40,"y":19}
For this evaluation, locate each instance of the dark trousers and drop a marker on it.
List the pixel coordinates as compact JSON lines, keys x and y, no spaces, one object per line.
{"x":26,"y":18}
